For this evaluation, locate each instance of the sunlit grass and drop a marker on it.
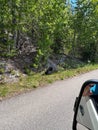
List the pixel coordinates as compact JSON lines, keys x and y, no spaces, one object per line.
{"x":37,"y":80}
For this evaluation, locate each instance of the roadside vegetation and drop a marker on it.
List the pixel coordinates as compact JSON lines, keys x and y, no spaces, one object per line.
{"x":43,"y":34}
{"x":35,"y":80}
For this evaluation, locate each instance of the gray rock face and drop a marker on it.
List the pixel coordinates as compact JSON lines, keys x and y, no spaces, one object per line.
{"x":8,"y":73}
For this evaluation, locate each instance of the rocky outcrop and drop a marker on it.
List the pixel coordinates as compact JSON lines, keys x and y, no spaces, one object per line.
{"x":8,"y":72}
{"x":12,"y":69}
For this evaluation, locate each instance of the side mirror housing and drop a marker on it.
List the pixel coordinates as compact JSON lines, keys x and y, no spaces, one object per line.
{"x":86,"y":106}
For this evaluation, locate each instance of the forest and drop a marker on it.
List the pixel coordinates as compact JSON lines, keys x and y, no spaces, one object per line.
{"x":49,"y":28}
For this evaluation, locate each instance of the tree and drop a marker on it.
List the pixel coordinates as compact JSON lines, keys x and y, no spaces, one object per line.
{"x":85,"y":29}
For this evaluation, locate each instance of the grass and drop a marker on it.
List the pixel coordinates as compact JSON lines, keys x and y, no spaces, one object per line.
{"x":35,"y":80}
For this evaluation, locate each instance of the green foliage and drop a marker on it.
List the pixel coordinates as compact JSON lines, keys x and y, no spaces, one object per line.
{"x":3,"y":91}
{"x":85,"y":30}
{"x":38,"y":80}
{"x":27,"y":70}
{"x":53,"y":27}
{"x":2,"y":70}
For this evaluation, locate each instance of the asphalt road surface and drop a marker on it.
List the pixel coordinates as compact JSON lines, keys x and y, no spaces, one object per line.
{"x":46,"y":108}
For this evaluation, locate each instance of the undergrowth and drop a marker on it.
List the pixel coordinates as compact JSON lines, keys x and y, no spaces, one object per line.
{"x":35,"y":80}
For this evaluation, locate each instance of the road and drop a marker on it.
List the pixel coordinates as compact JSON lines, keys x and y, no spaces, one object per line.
{"x":46,"y":108}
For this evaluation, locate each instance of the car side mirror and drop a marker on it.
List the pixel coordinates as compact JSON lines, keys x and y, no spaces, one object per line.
{"x":86,"y":106}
